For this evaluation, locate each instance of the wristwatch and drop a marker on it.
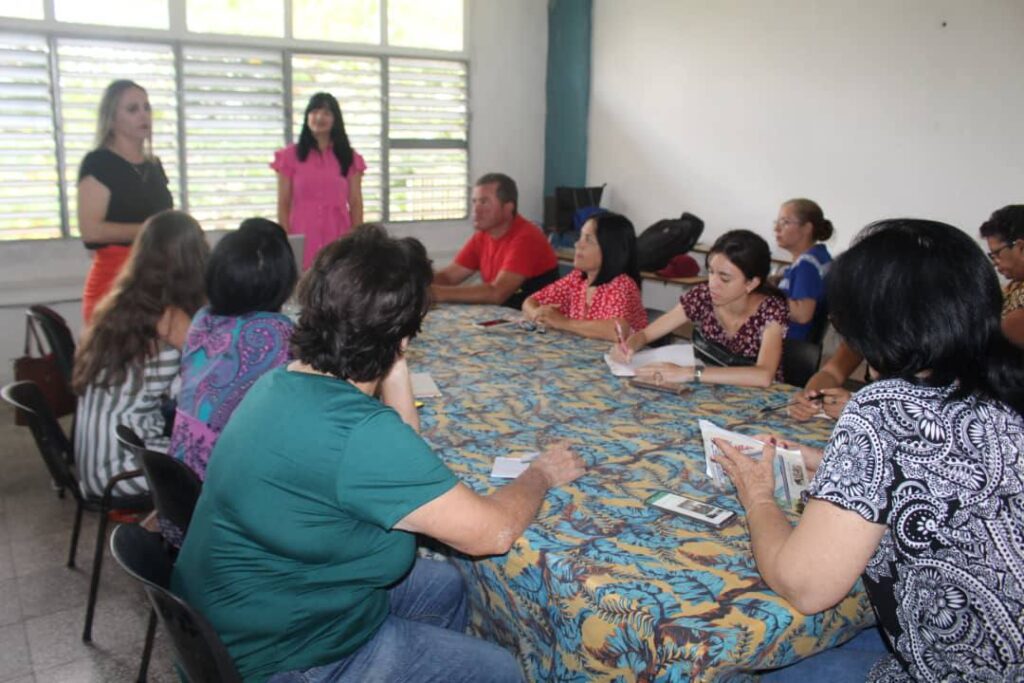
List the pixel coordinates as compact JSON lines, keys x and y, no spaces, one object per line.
{"x":698,"y":370}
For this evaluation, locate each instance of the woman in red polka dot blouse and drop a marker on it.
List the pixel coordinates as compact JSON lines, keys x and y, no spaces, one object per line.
{"x":602,"y":291}
{"x":737,"y":308}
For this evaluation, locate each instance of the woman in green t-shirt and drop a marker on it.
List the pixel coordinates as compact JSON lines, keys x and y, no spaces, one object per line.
{"x":301,"y":551}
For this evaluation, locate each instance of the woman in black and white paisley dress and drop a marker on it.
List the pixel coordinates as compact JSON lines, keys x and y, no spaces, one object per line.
{"x":923,"y":477}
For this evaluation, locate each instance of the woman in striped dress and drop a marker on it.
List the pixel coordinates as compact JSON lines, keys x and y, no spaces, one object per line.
{"x":130,"y":354}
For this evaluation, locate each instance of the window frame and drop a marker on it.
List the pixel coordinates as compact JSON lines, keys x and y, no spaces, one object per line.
{"x":178,"y":37}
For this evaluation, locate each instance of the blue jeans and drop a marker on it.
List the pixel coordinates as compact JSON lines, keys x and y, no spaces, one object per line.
{"x":422,"y":639}
{"x":849,"y":663}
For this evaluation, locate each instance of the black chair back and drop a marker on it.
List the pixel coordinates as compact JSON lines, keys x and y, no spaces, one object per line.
{"x":819,"y":325}
{"x":128,"y":439}
{"x":175,"y":487}
{"x":197,"y":648}
{"x":58,"y":337}
{"x":50,"y":439}
{"x":800,"y":360}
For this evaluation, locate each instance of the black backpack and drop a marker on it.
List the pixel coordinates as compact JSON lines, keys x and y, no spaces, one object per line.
{"x":665,"y":239}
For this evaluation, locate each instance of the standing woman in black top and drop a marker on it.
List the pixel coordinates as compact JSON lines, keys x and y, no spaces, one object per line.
{"x":120,"y":185}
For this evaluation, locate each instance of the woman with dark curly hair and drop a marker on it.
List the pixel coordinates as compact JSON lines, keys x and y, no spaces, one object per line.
{"x":129,"y":356}
{"x":301,"y":552}
{"x":920,"y":491}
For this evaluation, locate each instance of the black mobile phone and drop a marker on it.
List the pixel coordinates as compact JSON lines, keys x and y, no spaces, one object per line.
{"x":706,"y":513}
{"x":493,"y":323}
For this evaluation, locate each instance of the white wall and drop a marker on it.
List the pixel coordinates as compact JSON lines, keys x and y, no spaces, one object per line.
{"x":507,"y":46}
{"x":872,"y":108}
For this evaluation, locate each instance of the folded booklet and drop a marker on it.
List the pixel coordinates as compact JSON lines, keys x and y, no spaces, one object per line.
{"x":790,"y":472}
{"x":679,"y":354}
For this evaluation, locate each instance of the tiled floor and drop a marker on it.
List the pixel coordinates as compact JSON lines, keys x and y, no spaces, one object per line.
{"x":42,"y":602}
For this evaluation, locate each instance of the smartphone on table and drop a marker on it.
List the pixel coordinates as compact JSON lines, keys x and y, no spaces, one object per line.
{"x":712,"y":515}
{"x":497,"y":322}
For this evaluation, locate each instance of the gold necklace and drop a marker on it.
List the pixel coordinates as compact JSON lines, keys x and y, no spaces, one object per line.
{"x":141,"y":170}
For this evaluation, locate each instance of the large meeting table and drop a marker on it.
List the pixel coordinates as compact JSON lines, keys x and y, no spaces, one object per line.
{"x":602,"y":587}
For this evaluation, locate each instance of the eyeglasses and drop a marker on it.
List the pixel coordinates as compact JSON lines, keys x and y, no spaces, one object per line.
{"x":994,"y":255}
{"x":779,"y":222}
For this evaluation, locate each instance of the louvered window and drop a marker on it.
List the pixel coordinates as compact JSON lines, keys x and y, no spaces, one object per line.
{"x":427,"y":131}
{"x":234,"y":120}
{"x":85,"y":68}
{"x":224,"y":77}
{"x":29,"y":190}
{"x":356,"y":83}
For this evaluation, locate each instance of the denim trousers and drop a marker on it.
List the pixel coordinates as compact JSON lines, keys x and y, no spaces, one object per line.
{"x":421,"y":640}
{"x":849,"y":663}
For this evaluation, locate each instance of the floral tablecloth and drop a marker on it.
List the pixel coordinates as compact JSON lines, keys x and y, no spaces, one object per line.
{"x":603,"y":587}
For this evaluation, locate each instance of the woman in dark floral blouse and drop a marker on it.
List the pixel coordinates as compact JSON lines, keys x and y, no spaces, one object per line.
{"x":737,"y":308}
{"x":923,"y":477}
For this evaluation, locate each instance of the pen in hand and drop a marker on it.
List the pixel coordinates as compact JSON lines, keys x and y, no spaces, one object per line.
{"x":622,"y":339}
{"x":820,"y":399}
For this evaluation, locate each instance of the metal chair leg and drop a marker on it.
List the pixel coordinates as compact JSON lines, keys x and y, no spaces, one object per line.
{"x":147,"y":649}
{"x":73,"y":550}
{"x":106,"y":503}
{"x":97,"y":567}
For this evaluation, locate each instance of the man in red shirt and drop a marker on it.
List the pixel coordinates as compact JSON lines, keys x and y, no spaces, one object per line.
{"x":511,"y":254}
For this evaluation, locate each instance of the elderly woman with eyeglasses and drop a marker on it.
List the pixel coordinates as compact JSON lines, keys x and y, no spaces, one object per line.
{"x":1004,"y":232}
{"x":800,"y":229}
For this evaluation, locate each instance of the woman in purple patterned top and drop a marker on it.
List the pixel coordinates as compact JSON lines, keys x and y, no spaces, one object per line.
{"x":236,"y":339}
{"x":738,"y":308}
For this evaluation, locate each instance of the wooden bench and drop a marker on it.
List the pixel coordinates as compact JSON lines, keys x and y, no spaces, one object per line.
{"x":565,"y":255}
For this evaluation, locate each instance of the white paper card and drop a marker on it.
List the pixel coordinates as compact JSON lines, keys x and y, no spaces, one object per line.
{"x":791,"y":476}
{"x":510,"y":468}
{"x":423,"y":385}
{"x":679,"y":354}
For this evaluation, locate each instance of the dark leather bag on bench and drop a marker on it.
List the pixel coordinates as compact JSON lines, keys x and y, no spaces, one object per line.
{"x":667,"y":238}
{"x":43,"y":369}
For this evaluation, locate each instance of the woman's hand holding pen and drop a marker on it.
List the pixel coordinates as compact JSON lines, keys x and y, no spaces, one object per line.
{"x":807,"y":404}
{"x":623,"y":350}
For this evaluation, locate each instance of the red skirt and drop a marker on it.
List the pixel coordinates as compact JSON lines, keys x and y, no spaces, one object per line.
{"x":106,"y":266}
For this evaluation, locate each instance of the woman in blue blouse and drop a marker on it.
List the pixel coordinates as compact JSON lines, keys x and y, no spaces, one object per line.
{"x":800,"y":229}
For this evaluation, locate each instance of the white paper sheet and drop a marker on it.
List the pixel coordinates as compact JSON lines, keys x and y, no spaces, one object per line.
{"x":680,"y":354}
{"x":510,"y":468}
{"x":424,"y":386}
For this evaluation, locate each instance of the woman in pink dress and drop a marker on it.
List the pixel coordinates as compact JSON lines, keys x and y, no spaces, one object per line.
{"x":319,"y":179}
